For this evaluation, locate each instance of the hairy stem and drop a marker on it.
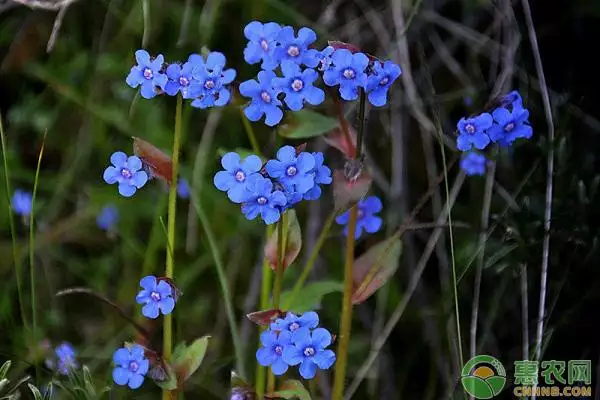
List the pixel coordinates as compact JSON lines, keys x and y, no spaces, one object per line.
{"x":168,"y":321}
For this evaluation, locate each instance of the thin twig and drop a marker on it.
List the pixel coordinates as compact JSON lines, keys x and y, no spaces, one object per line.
{"x":56,"y":27}
{"x":524,"y":312}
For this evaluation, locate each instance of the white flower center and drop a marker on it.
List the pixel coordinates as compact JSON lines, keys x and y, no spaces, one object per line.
{"x":155,"y":296}
{"x":183,"y":81}
{"x":294,"y":326}
{"x":209,"y":84}
{"x":293,"y":51}
{"x":125,"y":173}
{"x":470,"y":128}
{"x":148,"y":73}
{"x":278,"y":350}
{"x":265,"y":96}
{"x":309,"y":352}
{"x":384,"y":81}
{"x":261,"y":200}
{"x":291,"y":170}
{"x":264,"y":44}
{"x":297,"y":85}
{"x":349,"y":73}
{"x":509,"y":127}
{"x":240,"y":176}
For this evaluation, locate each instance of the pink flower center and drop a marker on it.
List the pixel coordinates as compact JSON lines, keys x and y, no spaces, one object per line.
{"x":183,"y":81}
{"x":509,"y":127}
{"x":148,"y":73}
{"x":293,"y":51}
{"x":360,"y":213}
{"x":297,"y":85}
{"x":278,"y":350}
{"x":294,"y":326}
{"x":349,"y":73}
{"x":155,"y":296}
{"x":209,"y":84}
{"x":125,"y":173}
{"x":384,"y":81}
{"x":266,"y":97}
{"x":240,"y":176}
{"x":264,"y":44}
{"x":470,"y":128}
{"x":133,"y":366}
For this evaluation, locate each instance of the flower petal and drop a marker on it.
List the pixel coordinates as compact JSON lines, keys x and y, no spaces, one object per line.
{"x":167,"y":305}
{"x":134,"y":163}
{"x":164,"y":289}
{"x":118,"y":158}
{"x":279,"y":367}
{"x":135,"y":381}
{"x":142,"y":57}
{"x":148,"y":283}
{"x":139,"y":179}
{"x":126,"y":189}
{"x":150,"y":310}
{"x":238,"y":193}
{"x":121,"y":356}
{"x":309,"y":319}
{"x":321,"y":338}
{"x":308,"y":369}
{"x":265,"y":356}
{"x":223,"y":180}
{"x":121,"y":376}
{"x":292,"y":355}
{"x":372,"y":224}
{"x":231,"y":161}
{"x":111,"y":175}
{"x":324,"y":359}
{"x":287,"y":154}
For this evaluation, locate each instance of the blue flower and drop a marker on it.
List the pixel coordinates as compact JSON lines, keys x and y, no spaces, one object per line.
{"x":147,"y":74}
{"x":296,"y":49}
{"x":261,"y":199}
{"x":274,"y":344}
{"x":210,"y":80}
{"x":109,"y":215}
{"x":235,"y":177}
{"x":380,"y":80}
{"x":21,"y":202}
{"x":155,"y":295}
{"x":512,"y":99}
{"x":183,"y":188}
{"x":294,"y":170}
{"x":263,"y":99}
{"x":366,"y":218}
{"x":292,"y":196}
{"x":127,"y":172}
{"x":180,"y":79}
{"x":473,"y":163}
{"x":322,"y":176}
{"x":262,"y":43}
{"x":472,"y":132}
{"x":309,"y":349}
{"x":509,"y":125}
{"x":65,"y":354}
{"x":131,"y":366}
{"x":292,"y":322}
{"x":348,"y":71}
{"x":298,"y":86}
{"x":324,"y":57}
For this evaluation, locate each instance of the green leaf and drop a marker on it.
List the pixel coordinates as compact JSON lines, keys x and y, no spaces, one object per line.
{"x":311,"y":295}
{"x":291,"y":389}
{"x":306,"y":124}
{"x":375,"y":267}
{"x":190,"y":359}
{"x":36,"y":392}
{"x":293,"y":241}
{"x":4,"y":369}
{"x":171,"y":382}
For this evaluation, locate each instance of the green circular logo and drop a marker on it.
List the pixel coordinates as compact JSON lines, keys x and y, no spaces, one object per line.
{"x":483,"y":377}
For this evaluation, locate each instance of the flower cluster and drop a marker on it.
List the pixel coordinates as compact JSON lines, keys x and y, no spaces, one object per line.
{"x":270,"y":190}
{"x":63,"y":359}
{"x":294,"y":341}
{"x":108,"y":217}
{"x":365,"y":219}
{"x":131,"y":366}
{"x":505,"y":124}
{"x":280,"y":47}
{"x":156,"y":295}
{"x":203,"y":81}
{"x":21,"y":202}
{"x":127,"y":172}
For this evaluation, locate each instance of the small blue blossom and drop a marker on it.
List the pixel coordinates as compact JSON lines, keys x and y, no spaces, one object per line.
{"x":309,"y":349}
{"x":156,"y":295}
{"x":472,"y":132}
{"x":294,"y":170}
{"x":262,"y":44}
{"x":261,"y":199}
{"x":263,"y":99}
{"x":65,"y":354}
{"x":127,"y":172}
{"x":131,"y":366}
{"x":380,"y":80}
{"x":235,"y":177}
{"x":512,"y":100}
{"x":510,"y":126}
{"x":322,"y":176}
{"x":180,"y":79}
{"x":473,"y":163}
{"x":348,"y":71}
{"x":147,"y":73}
{"x":108,"y":217}
{"x":324,"y":57}
{"x":292,"y":322}
{"x":183,"y":188}
{"x":296,"y":49}
{"x":21,"y":202}
{"x":298,"y":86}
{"x":292,"y":196}
{"x":366,"y":218}
{"x":274,"y":344}
{"x":210,"y":80}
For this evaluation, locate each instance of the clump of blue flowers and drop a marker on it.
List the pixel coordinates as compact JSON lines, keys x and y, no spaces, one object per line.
{"x":131,"y":366}
{"x":278,"y":47}
{"x":108,"y":217}
{"x":365,"y":219}
{"x":156,"y":296}
{"x":270,"y":189}
{"x":505,"y":124}
{"x":296,"y":340}
{"x":21,"y":202}
{"x":63,"y":359}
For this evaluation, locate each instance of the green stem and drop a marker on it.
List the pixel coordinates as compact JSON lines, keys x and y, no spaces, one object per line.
{"x":168,"y":320}
{"x":265,"y":292}
{"x":346,"y":320}
{"x":31,"y":257}
{"x":214,"y":249}
{"x":250,"y":133}
{"x":312,"y":258}
{"x":13,"y":233}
